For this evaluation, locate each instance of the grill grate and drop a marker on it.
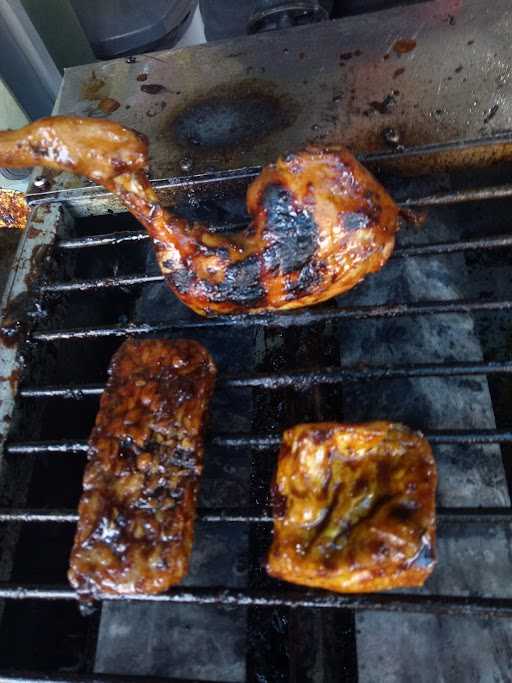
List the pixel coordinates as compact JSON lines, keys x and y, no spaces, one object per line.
{"x":48,"y":335}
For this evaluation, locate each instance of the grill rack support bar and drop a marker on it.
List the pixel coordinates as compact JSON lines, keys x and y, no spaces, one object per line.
{"x":453,"y":605}
{"x":445,"y":515}
{"x":281,"y":321}
{"x":93,"y":284}
{"x":263,"y":442}
{"x":303,"y":379}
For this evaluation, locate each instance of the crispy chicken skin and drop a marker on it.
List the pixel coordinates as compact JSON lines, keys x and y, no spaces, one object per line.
{"x":320,"y":221}
{"x":137,"y":511}
{"x":354,"y":507}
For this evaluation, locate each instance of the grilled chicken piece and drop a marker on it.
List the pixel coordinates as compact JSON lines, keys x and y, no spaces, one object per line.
{"x":137,"y":511}
{"x":354,"y":507}
{"x":320,"y":221}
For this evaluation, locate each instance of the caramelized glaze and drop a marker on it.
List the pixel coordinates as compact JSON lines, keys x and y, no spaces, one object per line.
{"x":137,"y":511}
{"x":320,"y":221}
{"x":354,"y":507}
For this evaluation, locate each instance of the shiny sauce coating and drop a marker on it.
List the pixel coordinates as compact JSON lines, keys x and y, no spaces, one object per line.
{"x":354,"y":507}
{"x":320,"y":221}
{"x":137,"y":510}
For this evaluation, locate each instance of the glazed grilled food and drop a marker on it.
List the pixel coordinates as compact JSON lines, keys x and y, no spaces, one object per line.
{"x":137,"y":511}
{"x":354,"y":507}
{"x":320,"y":221}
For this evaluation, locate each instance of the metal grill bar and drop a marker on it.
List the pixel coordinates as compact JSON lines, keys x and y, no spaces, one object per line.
{"x":461,"y":196}
{"x":94,"y":193}
{"x":440,"y":248}
{"x":223,"y":516}
{"x":302,"y":379}
{"x":115,"y":238}
{"x":122,"y":236}
{"x":101,"y":283}
{"x":264,"y":442}
{"x":112,"y":239}
{"x":295,"y":318}
{"x":488,"y":515}
{"x":411,"y":251}
{"x":90,"y":194}
{"x":143,"y":279}
{"x":284,"y":597}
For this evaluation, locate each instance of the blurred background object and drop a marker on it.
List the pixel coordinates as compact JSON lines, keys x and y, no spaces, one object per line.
{"x":116,"y":28}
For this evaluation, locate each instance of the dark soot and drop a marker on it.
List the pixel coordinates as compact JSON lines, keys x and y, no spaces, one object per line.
{"x":225,"y":122}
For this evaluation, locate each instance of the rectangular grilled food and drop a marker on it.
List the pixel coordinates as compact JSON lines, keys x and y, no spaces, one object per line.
{"x":354,"y":507}
{"x":137,"y":511}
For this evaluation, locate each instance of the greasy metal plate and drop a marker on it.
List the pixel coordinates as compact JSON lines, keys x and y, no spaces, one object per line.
{"x":432,"y":72}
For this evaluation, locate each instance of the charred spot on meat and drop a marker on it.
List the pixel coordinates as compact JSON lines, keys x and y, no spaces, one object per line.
{"x":137,"y":510}
{"x":320,"y":221}
{"x":292,"y":231}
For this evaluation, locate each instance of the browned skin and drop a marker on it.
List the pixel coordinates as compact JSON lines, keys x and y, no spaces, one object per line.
{"x":137,"y":511}
{"x":320,"y":221}
{"x":354,"y":507}
{"x":13,"y":209}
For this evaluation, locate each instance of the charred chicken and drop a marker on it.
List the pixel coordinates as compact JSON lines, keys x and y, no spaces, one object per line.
{"x":354,"y":507}
{"x":320,"y":221}
{"x":137,"y":511}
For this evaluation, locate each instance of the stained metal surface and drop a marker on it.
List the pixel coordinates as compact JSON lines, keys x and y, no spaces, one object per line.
{"x":431,"y":72}
{"x":19,"y":308}
{"x":377,"y":83}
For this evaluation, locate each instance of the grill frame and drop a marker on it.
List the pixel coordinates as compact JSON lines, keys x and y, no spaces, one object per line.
{"x":489,"y":608}
{"x":283,"y":597}
{"x":32,"y":279}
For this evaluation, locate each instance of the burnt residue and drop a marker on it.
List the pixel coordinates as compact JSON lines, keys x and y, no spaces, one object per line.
{"x":152,"y":88}
{"x":398,"y":72}
{"x":142,"y":77}
{"x":345,"y":56}
{"x":156,"y":108}
{"x":242,"y":282}
{"x":12,"y":379}
{"x":384,"y":106}
{"x":392,"y":137}
{"x":305,"y":281}
{"x":90,"y":88}
{"x":294,"y":232}
{"x":108,"y":105}
{"x":14,"y":209}
{"x":403,"y":46}
{"x":34,"y":232}
{"x":230,"y":116}
{"x":492,"y":113}
{"x":14,"y":318}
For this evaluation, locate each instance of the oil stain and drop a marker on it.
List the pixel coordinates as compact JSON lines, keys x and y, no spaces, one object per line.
{"x":90,"y":89}
{"x":152,"y":88}
{"x":403,"y":46}
{"x":233,"y":116}
{"x":108,"y":105}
